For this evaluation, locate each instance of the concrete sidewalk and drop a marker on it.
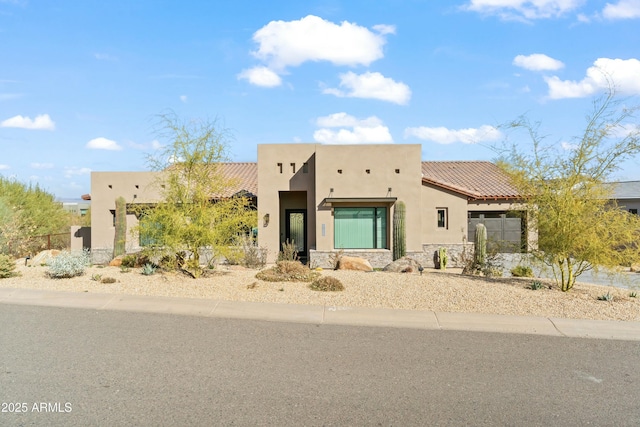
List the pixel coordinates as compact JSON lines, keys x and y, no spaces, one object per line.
{"x":330,"y":315}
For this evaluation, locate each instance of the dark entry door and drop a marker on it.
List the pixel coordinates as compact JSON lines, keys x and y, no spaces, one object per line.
{"x":296,"y":229}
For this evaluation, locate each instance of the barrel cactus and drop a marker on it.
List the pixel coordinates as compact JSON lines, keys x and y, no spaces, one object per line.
{"x":120,"y":238}
{"x":399,"y":233}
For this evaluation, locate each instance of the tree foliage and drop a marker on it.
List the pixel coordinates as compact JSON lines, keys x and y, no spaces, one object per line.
{"x":195,"y":211}
{"x":567,"y":196}
{"x":26,"y":212}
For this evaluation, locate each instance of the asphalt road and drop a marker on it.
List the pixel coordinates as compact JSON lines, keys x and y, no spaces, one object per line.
{"x":76,"y":367}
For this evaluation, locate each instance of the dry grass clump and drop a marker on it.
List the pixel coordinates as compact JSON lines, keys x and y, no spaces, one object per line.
{"x":287,"y":271}
{"x":107,"y":280}
{"x":327,"y":284}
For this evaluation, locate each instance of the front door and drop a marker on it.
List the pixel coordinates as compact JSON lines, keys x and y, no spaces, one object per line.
{"x":296,"y":230}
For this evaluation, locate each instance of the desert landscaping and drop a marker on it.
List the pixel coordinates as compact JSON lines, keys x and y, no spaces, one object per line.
{"x":434,"y":290}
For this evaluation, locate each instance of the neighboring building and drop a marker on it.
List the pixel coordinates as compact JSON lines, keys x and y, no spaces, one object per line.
{"x":330,"y":198}
{"x":627,"y":195}
{"x":78,"y":207}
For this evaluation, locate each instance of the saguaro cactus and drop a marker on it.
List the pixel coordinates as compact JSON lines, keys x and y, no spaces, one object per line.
{"x":120,"y":238}
{"x":399,"y":232}
{"x":442,"y":256}
{"x":480,"y":247}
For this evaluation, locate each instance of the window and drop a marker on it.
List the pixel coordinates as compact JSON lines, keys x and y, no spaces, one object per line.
{"x":442,"y":218}
{"x":633,"y":211}
{"x":150,"y":232}
{"x":360,"y":228}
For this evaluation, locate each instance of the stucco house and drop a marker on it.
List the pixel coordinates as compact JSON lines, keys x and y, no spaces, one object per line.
{"x":627,"y":195}
{"x":330,"y":198}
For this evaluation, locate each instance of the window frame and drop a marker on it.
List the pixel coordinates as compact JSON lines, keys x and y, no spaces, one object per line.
{"x":445,"y":218}
{"x":379,"y":219}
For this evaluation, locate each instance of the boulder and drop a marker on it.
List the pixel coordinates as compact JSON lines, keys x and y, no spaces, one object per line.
{"x":43,"y":257}
{"x":635,"y":268}
{"x":116,"y":262}
{"x":354,"y":263}
{"x":403,"y":265}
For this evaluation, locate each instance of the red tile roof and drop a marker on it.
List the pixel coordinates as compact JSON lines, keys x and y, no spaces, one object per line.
{"x":474,"y":179}
{"x":244,"y":175}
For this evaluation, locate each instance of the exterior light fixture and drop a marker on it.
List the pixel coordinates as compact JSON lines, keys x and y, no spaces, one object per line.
{"x":265,"y":220}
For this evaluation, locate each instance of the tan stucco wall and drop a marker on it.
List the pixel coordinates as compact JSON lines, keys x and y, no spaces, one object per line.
{"x":276,"y":174}
{"x":456,"y":205}
{"x":381,"y":161}
{"x":106,"y":187}
{"x":324,"y":162}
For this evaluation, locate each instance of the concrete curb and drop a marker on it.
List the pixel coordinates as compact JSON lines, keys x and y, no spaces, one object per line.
{"x":329,"y":315}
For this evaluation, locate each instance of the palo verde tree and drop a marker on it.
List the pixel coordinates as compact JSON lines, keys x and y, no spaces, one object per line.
{"x":568,"y":197}
{"x":28,"y":212}
{"x":195,"y":211}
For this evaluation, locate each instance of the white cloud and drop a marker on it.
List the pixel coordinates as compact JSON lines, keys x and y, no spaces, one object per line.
{"x":523,"y":9}
{"x":623,"y":73}
{"x":346,"y":120}
{"x":290,"y":43}
{"x":261,"y":76}
{"x":625,"y":130}
{"x":372,"y":86}
{"x":104,"y":57}
{"x":41,"y":122}
{"x":624,"y":9}
{"x":75,"y":171}
{"x":155,"y":144}
{"x":385,"y":29}
{"x":183,"y":98}
{"x":4,"y":167}
{"x":442,"y":135}
{"x":368,"y":131}
{"x":103,"y":144}
{"x":537,"y":62}
{"x":567,"y":146}
{"x":42,"y":165}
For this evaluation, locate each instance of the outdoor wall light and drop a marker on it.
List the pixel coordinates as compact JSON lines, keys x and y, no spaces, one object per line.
{"x":265,"y":220}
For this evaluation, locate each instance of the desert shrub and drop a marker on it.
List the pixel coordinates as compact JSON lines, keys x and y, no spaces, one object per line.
{"x":129,"y":261}
{"x":288,"y":271}
{"x":326,"y":284}
{"x":288,"y":252}
{"x":108,"y":280}
{"x":136,"y":260}
{"x":522,"y":271}
{"x":253,"y":256}
{"x":7,"y":267}
{"x":69,"y":264}
{"x":96,"y":277}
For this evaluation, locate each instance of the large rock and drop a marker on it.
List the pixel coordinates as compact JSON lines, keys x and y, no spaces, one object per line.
{"x":43,"y":257}
{"x":354,"y":263}
{"x":403,"y":265}
{"x":116,"y":262}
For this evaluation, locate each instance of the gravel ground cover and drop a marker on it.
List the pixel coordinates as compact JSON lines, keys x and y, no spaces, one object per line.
{"x":434,"y":290}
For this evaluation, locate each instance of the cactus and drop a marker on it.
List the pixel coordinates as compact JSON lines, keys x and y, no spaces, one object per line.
{"x":442,"y":256}
{"x":399,"y":233}
{"x":480,"y":247}
{"x":120,"y":238}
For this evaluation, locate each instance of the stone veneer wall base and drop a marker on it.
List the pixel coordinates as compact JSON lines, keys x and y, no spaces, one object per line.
{"x":378,"y":258}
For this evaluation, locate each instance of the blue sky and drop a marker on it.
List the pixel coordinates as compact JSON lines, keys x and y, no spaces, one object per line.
{"x":82,"y":82}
